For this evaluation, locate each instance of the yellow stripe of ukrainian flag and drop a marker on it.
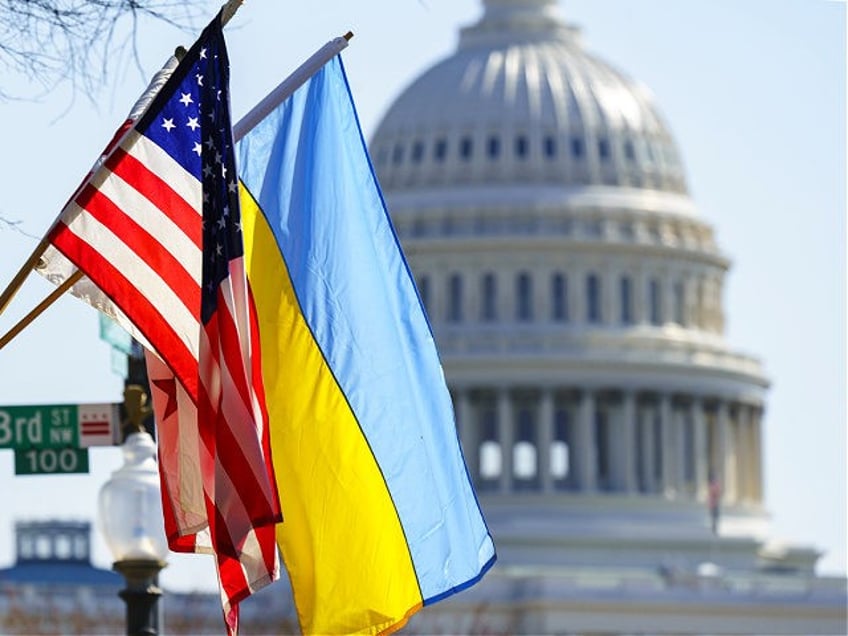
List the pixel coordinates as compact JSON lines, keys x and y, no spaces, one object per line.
{"x":341,"y":539}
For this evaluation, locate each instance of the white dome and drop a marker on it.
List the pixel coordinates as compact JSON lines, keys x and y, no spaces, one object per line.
{"x":522,"y":100}
{"x":575,"y":296}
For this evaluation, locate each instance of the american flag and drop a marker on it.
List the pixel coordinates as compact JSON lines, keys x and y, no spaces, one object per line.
{"x":157,"y":229}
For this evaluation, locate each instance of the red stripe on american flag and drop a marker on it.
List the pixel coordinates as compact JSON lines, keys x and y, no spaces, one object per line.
{"x":158,"y":192}
{"x":234,"y":371}
{"x":258,"y":383}
{"x":143,"y":244}
{"x":253,"y":504}
{"x":125,"y":295}
{"x":231,"y":350}
{"x":116,"y":138}
{"x":234,"y":584}
{"x":176,"y":540}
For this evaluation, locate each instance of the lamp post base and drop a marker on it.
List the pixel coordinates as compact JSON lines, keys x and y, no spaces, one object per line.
{"x":141,"y":595}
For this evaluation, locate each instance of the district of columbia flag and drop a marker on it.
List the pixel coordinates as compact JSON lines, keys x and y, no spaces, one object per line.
{"x":156,"y":229}
{"x":97,"y":425}
{"x":380,"y":515}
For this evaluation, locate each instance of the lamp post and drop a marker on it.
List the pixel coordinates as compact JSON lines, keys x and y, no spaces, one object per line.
{"x":130,"y":517}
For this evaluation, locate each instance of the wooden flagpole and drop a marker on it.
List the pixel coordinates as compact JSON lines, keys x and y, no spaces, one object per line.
{"x":229,"y":10}
{"x":14,"y":286}
{"x":40,"y":308}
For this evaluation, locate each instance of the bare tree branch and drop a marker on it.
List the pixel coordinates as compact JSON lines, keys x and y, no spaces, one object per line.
{"x":15,"y":226}
{"x":55,"y":41}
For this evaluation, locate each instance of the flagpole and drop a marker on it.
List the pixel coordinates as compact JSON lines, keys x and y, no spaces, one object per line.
{"x":40,"y":308}
{"x":15,"y":284}
{"x":289,"y":85}
{"x":229,"y":10}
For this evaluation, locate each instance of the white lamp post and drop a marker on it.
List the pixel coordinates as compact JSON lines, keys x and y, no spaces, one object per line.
{"x":130,"y":516}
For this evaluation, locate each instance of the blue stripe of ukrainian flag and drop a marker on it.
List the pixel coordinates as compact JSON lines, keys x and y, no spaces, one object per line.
{"x":380,"y":515}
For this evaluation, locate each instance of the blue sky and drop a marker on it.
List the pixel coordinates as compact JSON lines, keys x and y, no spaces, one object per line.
{"x":753,"y":90}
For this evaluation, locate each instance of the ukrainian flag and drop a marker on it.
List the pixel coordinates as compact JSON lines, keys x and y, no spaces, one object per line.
{"x":379,"y":513}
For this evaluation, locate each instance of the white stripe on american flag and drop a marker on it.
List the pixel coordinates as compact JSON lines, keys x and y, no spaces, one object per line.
{"x":232,"y":507}
{"x":237,"y":411}
{"x":234,"y":302}
{"x":252,"y":569}
{"x":237,"y":297}
{"x":170,"y":235}
{"x":147,"y":281}
{"x":185,"y":442}
{"x":246,"y":437}
{"x":146,"y":315}
{"x":233,"y":503}
{"x":163,"y":166}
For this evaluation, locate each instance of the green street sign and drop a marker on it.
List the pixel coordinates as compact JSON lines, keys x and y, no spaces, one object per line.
{"x":51,"y":461}
{"x":59,"y":426}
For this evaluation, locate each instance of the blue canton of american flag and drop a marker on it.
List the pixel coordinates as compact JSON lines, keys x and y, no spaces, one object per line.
{"x":157,"y":229}
{"x":194,"y":127}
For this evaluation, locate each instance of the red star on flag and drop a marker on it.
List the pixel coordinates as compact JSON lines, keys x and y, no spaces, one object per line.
{"x":169,"y":388}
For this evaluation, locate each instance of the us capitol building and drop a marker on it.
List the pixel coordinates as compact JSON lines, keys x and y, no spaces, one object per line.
{"x":576,"y":298}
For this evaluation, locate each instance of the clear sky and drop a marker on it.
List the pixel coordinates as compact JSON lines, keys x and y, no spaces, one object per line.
{"x":753,"y":90}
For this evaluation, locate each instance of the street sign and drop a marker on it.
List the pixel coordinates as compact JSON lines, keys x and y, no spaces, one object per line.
{"x":63,"y":426}
{"x":51,"y":461}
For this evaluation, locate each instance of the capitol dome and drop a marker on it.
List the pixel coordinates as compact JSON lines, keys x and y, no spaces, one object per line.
{"x":614,"y":437}
{"x":575,"y":296}
{"x":521,"y":101}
